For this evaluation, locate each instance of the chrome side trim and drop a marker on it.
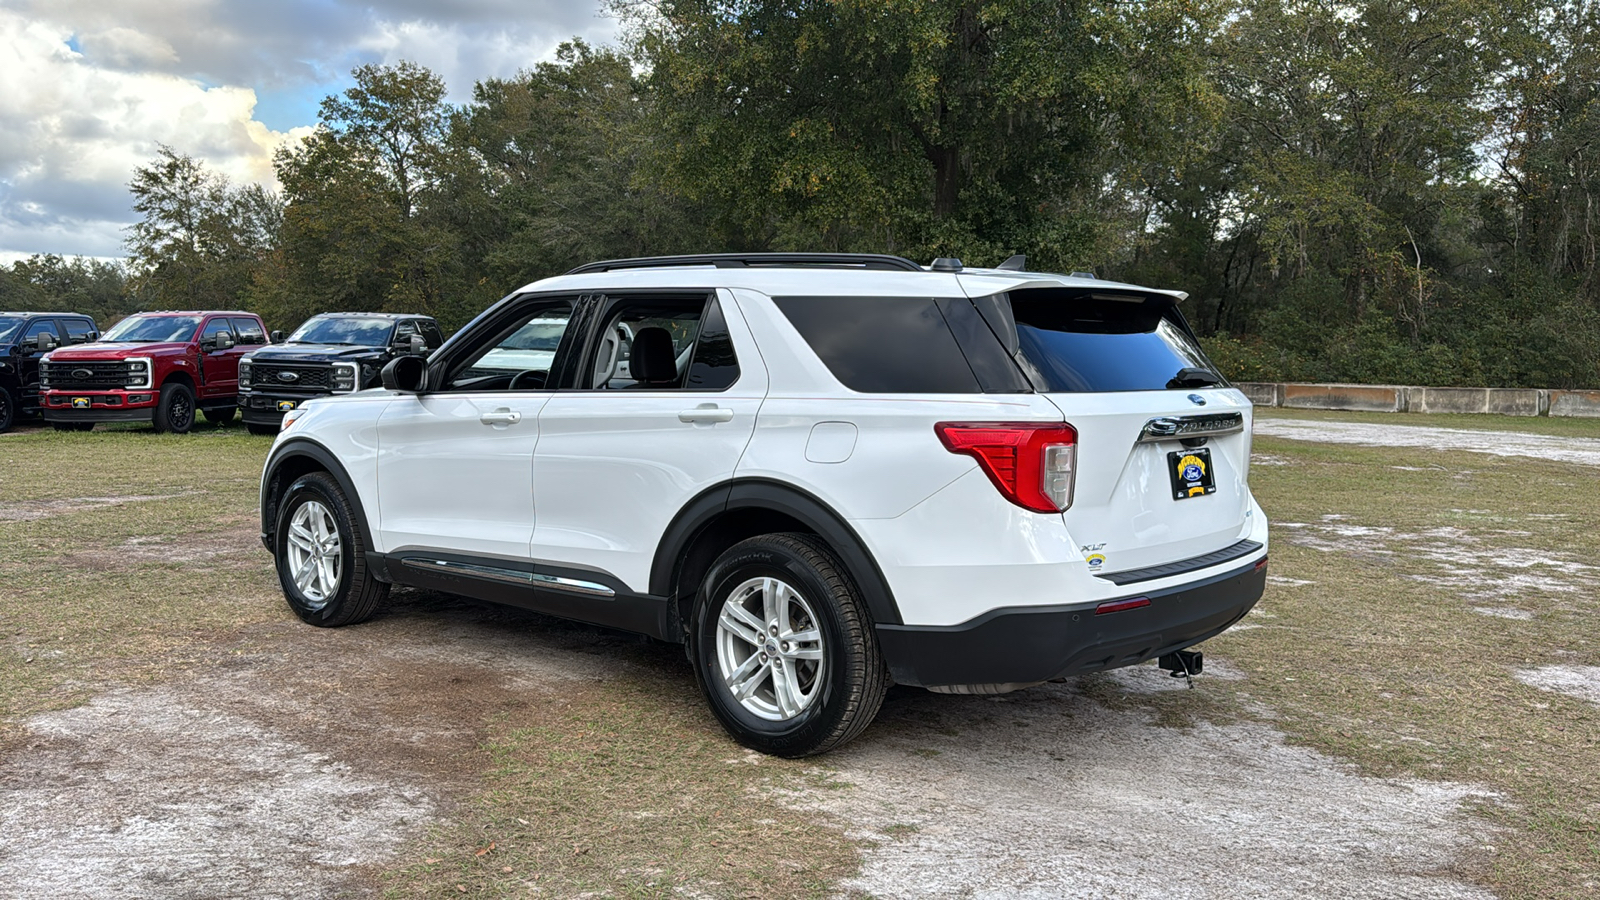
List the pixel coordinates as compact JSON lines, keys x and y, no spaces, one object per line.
{"x":574,"y":585}
{"x":510,"y":576}
{"x":1171,"y":428}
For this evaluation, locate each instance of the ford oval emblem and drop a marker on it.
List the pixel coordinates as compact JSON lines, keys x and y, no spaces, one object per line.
{"x":1197,"y":400}
{"x":83,"y":374}
{"x":288,"y":376}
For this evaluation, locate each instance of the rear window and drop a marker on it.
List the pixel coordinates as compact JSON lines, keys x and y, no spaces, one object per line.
{"x":1096,"y":343}
{"x":883,"y":345}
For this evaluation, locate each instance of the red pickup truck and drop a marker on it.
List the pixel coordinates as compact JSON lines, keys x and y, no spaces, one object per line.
{"x":157,"y":367}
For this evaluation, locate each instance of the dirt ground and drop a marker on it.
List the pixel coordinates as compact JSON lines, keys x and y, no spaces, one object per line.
{"x":297,"y":762}
{"x":303,"y":760}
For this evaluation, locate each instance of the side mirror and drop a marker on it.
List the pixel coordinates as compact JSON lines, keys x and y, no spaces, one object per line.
{"x":406,"y":373}
{"x":418,"y":344}
{"x":277,"y":337}
{"x":46,"y":342}
{"x":218,"y":342}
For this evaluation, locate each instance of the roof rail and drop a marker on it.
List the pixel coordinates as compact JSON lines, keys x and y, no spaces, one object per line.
{"x":880,"y":261}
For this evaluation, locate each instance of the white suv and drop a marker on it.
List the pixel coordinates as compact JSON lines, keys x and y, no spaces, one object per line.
{"x":822,"y":473}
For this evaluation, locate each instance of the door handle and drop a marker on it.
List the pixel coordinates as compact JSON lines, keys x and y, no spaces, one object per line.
{"x":706,"y":412}
{"x":501,"y":417}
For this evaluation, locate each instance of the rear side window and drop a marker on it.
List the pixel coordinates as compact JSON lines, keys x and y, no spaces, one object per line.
{"x":1100,"y":342}
{"x":883,"y":345}
{"x":79,"y":331}
{"x":249,"y":331}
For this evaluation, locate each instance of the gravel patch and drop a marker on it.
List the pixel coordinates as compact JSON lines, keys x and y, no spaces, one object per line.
{"x":28,"y":510}
{"x":1462,"y":560}
{"x":1582,"y":682}
{"x":1048,"y":794}
{"x":150,"y":795}
{"x":1583,"y":451}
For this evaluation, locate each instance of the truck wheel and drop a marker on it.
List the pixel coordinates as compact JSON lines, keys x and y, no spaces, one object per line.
{"x":175,"y":411}
{"x":219,"y":417}
{"x":8,"y":410}
{"x":783,"y":647}
{"x":322,"y":555}
{"x":258,"y":428}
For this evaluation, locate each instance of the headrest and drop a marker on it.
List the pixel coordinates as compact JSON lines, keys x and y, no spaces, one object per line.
{"x":653,"y":360}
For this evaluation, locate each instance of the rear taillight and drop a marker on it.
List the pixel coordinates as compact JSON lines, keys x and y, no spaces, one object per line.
{"x":1031,"y":464}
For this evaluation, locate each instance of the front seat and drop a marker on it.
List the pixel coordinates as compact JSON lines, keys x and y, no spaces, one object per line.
{"x":652,"y":362}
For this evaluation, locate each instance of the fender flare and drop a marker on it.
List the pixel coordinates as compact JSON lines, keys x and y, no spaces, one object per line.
{"x":778,"y":497}
{"x":305,"y":448}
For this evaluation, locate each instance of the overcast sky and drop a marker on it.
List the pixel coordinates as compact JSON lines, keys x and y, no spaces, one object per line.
{"x":88,"y":88}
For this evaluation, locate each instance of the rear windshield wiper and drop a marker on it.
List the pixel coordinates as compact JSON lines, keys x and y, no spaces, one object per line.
{"x":1193,"y":377}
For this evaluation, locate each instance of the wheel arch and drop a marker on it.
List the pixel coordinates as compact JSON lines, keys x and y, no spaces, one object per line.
{"x":721,"y":516}
{"x":178,"y":376}
{"x":297,"y":457}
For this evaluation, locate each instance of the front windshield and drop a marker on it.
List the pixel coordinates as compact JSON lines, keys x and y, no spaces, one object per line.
{"x":153,"y":328}
{"x":8,"y":327}
{"x":343,"y":330}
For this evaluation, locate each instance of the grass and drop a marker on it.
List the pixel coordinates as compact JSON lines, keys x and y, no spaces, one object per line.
{"x":1384,"y":659}
{"x":78,"y":610}
{"x":1373,"y":650}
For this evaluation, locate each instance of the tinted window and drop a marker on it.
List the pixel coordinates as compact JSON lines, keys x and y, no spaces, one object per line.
{"x":883,"y":345}
{"x":79,"y":331}
{"x":351,"y":330}
{"x":43,"y":326}
{"x":153,"y":328}
{"x":1080,"y":343}
{"x":431,"y":332}
{"x":714,"y":366}
{"x":250,"y":331}
{"x":216,"y":327}
{"x":8,"y":327}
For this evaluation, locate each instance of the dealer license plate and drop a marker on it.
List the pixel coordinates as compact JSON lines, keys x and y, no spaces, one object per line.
{"x":80,"y":402}
{"x":285,"y":405}
{"x":1191,"y":472}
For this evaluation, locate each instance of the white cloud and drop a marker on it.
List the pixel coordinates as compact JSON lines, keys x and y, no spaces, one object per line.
{"x":75,"y":123}
{"x":72,"y":133}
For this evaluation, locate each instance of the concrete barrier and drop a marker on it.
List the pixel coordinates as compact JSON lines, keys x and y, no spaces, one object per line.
{"x":1575,"y":403}
{"x":1499,"y":401}
{"x":1403,"y":398}
{"x":1362,"y":397}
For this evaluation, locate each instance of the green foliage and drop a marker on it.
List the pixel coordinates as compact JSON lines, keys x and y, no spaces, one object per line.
{"x":50,"y":283}
{"x":1376,"y":192}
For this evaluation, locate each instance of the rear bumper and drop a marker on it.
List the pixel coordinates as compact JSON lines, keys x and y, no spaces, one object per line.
{"x":1027,"y":645}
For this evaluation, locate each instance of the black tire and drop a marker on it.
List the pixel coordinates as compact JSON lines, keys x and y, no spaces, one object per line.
{"x":832,"y":702}
{"x":356,"y":594}
{"x":175,"y":411}
{"x":72,"y":426}
{"x":220,"y":417}
{"x":258,"y":428}
{"x":8,"y":410}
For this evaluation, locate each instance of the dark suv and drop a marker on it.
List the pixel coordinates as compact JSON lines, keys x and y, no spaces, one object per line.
{"x":24,"y":338}
{"x":333,"y":353}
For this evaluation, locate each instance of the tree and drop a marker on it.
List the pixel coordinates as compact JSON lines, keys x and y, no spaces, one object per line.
{"x":915,"y":126}
{"x":199,"y":239}
{"x":365,"y":226}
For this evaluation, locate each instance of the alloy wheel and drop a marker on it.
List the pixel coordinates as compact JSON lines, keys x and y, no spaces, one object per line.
{"x":315,"y":553}
{"x":770,"y":649}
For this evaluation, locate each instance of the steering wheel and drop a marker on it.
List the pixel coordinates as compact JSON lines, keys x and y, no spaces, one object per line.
{"x":530,"y":374}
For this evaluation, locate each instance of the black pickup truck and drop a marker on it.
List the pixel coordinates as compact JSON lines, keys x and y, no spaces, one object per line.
{"x":25,"y":337}
{"x":334,"y":353}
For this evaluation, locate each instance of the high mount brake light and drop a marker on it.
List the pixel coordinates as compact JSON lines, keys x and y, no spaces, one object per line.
{"x":1031,"y":463}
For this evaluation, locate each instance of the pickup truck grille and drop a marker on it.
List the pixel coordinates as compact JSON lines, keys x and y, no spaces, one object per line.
{"x":266,"y":376}
{"x":75,"y":375}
